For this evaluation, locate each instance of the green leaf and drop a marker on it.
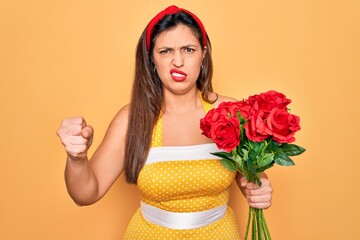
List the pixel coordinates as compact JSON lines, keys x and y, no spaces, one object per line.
{"x":257,"y":146}
{"x":266,"y":160}
{"x":253,"y":154}
{"x":225,"y":155}
{"x":262,"y":169}
{"x":283,"y":160}
{"x":273,"y":146}
{"x":250,"y":166}
{"x":292,"y":149}
{"x":237,"y":159}
{"x":229,"y":164}
{"x":246,"y":154}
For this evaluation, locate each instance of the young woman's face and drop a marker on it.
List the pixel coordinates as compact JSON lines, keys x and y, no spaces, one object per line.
{"x":178,"y":56}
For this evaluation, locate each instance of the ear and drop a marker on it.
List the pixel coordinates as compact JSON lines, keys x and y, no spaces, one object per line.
{"x":204,"y":52}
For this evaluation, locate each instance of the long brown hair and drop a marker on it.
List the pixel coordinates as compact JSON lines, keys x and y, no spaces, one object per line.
{"x":147,"y":93}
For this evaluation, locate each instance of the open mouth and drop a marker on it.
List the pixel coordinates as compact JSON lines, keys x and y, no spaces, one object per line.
{"x":178,"y":75}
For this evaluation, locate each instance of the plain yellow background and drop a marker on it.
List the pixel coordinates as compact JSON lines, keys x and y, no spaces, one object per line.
{"x":76,"y":57}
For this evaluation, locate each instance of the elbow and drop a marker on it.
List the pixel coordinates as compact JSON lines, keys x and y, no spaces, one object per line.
{"x":83,"y":202}
{"x":84,"y":198}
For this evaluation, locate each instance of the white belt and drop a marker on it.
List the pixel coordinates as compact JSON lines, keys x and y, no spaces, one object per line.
{"x":182,"y":220}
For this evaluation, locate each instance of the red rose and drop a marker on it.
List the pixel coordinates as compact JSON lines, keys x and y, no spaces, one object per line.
{"x":268,"y":100}
{"x":282,"y":125}
{"x":207,"y":121}
{"x":233,"y":107}
{"x":255,"y":127}
{"x":225,"y":132}
{"x":210,"y":118}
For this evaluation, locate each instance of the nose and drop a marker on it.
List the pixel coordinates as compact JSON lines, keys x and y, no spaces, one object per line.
{"x":178,"y":59}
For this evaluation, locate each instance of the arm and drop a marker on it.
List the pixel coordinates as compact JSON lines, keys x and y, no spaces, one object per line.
{"x":86,"y":180}
{"x":257,"y":197}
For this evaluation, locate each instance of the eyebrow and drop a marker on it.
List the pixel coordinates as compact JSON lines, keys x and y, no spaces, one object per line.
{"x":189,"y":45}
{"x":182,"y":47}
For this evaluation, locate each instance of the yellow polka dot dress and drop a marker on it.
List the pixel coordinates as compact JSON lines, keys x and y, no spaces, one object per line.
{"x":183,"y":179}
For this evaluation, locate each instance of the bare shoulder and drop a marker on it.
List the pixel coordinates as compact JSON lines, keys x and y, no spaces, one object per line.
{"x":123,"y":113}
{"x":222,"y":98}
{"x":120,"y":121}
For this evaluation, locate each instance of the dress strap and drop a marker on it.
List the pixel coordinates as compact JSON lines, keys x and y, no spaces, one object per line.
{"x":156,"y":140}
{"x":206,"y":106}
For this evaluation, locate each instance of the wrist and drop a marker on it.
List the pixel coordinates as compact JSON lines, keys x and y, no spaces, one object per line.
{"x":77,"y":160}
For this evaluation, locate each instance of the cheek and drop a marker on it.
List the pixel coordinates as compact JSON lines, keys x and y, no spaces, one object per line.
{"x":161,"y":60}
{"x":195,"y":67}
{"x":196,"y":62}
{"x":161,"y":63}
{"x":162,"y":67}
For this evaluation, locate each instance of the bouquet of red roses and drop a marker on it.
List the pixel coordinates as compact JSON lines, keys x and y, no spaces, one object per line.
{"x":254,"y":133}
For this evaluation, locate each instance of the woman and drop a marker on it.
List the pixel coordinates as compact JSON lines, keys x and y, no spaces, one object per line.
{"x":157,"y":141}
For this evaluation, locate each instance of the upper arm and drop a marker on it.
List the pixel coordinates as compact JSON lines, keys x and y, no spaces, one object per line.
{"x":107,"y":163}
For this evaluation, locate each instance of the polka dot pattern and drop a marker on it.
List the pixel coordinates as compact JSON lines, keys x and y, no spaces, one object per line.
{"x":207,"y":106}
{"x":183,"y":186}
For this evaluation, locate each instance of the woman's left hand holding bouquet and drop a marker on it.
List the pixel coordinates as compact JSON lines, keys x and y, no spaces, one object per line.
{"x":257,"y":197}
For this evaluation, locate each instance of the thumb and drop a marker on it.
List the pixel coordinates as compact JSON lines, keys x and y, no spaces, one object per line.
{"x":243,"y":182}
{"x":87,"y":132}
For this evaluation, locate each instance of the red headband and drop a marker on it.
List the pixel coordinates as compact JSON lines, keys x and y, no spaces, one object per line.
{"x":167,"y":11}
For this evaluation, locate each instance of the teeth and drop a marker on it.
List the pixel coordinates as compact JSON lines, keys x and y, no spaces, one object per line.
{"x":177,"y":74}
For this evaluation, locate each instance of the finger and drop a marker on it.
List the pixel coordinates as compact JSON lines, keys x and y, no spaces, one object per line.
{"x":262,"y":205}
{"x":264,"y":183}
{"x":74,"y":121}
{"x":252,"y":186}
{"x":263,"y":201}
{"x":74,"y":140}
{"x":264,"y":189}
{"x":70,"y":130}
{"x":243,"y":182}
{"x":259,"y":198}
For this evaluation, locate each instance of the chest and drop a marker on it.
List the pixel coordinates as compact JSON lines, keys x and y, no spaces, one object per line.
{"x":164,"y":181}
{"x":183,"y":129}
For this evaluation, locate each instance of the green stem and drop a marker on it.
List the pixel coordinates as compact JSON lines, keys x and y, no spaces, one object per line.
{"x":259,"y":229}
{"x":267,"y":143}
{"x":266,"y":229}
{"x":260,"y":226}
{"x":248,"y":224}
{"x":254,"y":225}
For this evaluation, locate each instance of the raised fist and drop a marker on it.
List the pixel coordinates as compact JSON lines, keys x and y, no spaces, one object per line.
{"x":76,"y":136}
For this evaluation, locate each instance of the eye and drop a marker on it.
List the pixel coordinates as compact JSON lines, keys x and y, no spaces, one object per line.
{"x":189,"y":50}
{"x":165,"y":51}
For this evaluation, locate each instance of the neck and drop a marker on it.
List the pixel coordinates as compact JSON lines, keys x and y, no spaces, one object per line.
{"x":181,"y":102}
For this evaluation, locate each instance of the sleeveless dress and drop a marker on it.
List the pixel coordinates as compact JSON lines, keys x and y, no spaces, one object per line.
{"x":183,"y":179}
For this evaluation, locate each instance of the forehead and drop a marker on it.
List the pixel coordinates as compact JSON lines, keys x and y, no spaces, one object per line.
{"x":179,"y":35}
